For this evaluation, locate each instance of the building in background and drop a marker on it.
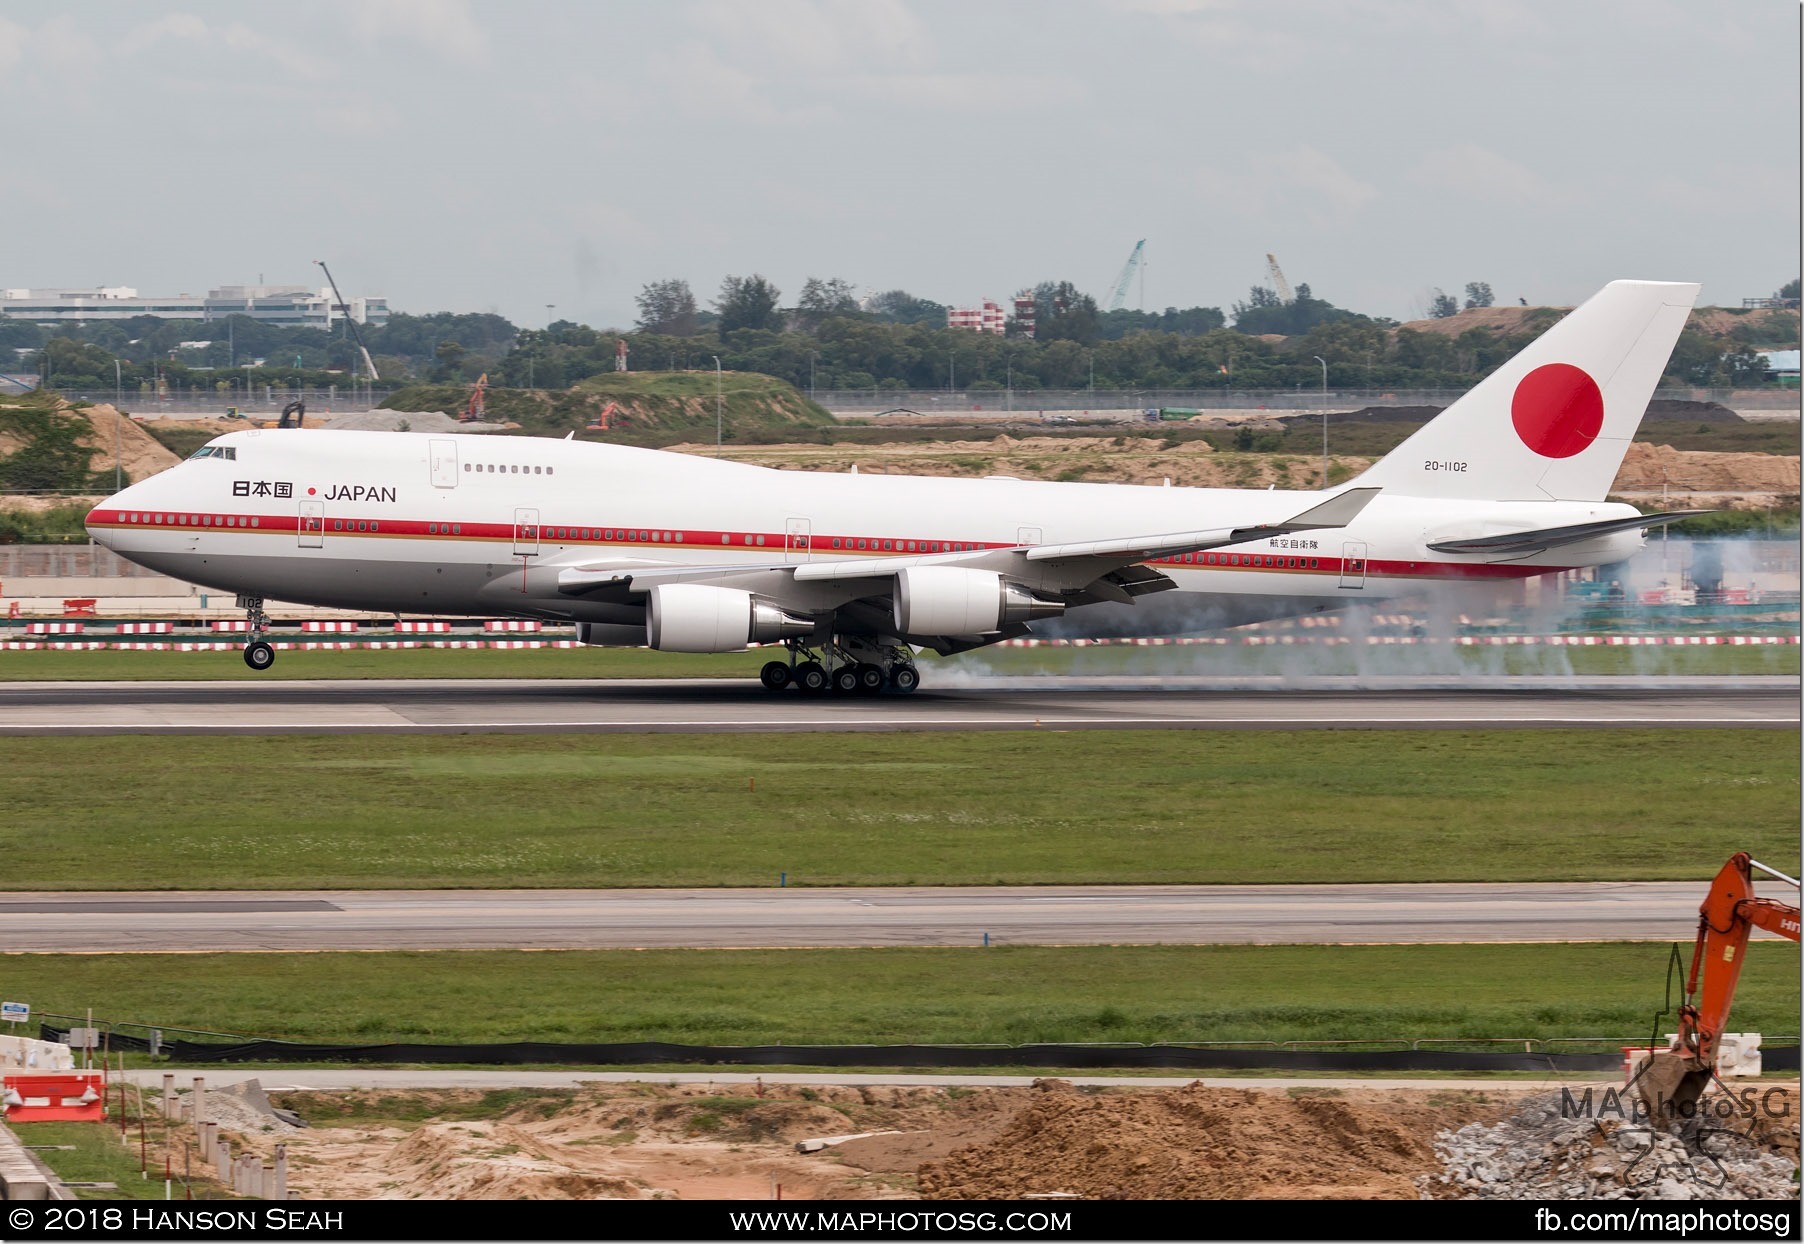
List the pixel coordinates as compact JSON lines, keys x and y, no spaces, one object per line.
{"x":286,"y":306}
{"x":989,"y":318}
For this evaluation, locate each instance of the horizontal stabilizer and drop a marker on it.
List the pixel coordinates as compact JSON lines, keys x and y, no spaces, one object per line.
{"x":1526,"y":542}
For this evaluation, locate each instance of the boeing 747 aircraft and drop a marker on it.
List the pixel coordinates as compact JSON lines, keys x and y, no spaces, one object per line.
{"x":852,"y":573}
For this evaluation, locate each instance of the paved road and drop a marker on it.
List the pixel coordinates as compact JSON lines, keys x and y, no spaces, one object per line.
{"x":900,"y":916}
{"x":545,"y":705}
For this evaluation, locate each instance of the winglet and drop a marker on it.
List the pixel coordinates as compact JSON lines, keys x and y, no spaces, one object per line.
{"x":1336,"y":511}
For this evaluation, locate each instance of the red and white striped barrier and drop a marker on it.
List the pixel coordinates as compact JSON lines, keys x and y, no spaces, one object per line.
{"x":515,"y":643}
{"x":330,"y":627}
{"x":231,"y":624}
{"x":512,"y":624}
{"x":142,"y":647}
{"x":54,"y":628}
{"x":422,"y":628}
{"x":146,"y":628}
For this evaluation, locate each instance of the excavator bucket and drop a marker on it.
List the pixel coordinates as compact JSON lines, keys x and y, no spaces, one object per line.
{"x":1668,"y":1085}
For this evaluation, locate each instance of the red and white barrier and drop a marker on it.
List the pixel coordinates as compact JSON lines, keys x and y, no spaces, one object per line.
{"x":54,"y":628}
{"x":146,"y":628}
{"x":422,"y":628}
{"x":333,"y":627}
{"x":231,"y":624}
{"x":55,"y":1096}
{"x":494,"y":625}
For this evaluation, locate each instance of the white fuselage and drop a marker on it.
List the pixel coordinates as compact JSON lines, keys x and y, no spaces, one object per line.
{"x":480,"y":525}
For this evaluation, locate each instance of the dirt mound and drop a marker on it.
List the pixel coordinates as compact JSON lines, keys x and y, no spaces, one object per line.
{"x":1194,"y":1143}
{"x":102,"y":429}
{"x":1500,"y":320}
{"x":1647,"y":467}
{"x":1699,"y":412}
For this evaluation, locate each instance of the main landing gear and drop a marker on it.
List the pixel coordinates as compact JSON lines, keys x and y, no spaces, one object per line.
{"x":257,"y":652}
{"x":846,"y":666}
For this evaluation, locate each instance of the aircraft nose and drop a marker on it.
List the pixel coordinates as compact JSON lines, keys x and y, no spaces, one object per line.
{"x":102,"y":521}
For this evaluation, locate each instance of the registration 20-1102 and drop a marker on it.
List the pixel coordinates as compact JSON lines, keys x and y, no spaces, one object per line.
{"x":1444,"y":466}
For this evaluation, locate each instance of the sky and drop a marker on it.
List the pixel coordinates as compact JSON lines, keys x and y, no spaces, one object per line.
{"x":545,"y":159}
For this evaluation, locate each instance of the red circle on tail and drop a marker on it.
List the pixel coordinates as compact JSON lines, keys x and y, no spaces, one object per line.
{"x":1558,"y":410}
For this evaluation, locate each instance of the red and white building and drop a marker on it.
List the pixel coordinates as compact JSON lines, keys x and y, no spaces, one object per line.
{"x":989,"y":318}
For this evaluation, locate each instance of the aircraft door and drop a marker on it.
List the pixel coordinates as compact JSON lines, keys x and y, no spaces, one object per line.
{"x":443,"y":455}
{"x":526,"y":533}
{"x":799,"y":541}
{"x":1353,"y":564}
{"x":313,"y":525}
{"x":1028,"y":535}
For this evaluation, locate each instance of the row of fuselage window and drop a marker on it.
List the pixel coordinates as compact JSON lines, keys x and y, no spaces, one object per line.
{"x":193,"y":520}
{"x":676,"y":537}
{"x":1245,"y":559}
{"x":516,"y":469}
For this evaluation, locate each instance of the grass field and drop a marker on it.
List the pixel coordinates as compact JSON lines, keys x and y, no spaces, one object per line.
{"x":1228,"y":661}
{"x":1000,"y":994}
{"x":1025,"y":807}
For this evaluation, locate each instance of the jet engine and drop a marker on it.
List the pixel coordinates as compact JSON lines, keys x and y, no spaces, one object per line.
{"x":953,"y":600}
{"x":693,"y":617}
{"x":610,"y":635}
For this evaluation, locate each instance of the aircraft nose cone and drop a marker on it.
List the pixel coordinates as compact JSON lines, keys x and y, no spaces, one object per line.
{"x":96,"y":522}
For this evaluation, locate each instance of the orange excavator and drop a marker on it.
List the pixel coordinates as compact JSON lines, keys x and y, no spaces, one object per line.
{"x":473,"y":412}
{"x":1669,"y":1082}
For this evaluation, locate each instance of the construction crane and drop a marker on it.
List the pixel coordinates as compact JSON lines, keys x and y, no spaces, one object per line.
{"x":1279,"y":284}
{"x":339,"y":304}
{"x":1669,"y":1082}
{"x":1118,"y":294}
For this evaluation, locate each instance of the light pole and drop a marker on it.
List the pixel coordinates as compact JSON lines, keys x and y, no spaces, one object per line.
{"x":549,"y":308}
{"x":1009,"y":388}
{"x":716,"y":359}
{"x":118,"y":399}
{"x":811,"y":375}
{"x":951,"y":372}
{"x":1092,"y":378}
{"x":118,"y":386}
{"x":1318,"y":358}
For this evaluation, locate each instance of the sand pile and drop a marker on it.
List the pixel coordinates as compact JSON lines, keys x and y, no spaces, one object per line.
{"x":1195,"y":1143}
{"x":1647,"y":467}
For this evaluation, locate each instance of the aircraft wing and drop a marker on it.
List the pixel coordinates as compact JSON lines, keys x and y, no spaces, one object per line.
{"x":1526,"y":543}
{"x":1106,"y":568}
{"x":1337,"y":511}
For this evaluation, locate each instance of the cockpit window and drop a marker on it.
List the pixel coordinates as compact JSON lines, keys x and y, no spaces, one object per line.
{"x":214,"y":451}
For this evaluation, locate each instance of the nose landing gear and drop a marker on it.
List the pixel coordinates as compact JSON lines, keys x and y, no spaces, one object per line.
{"x":258,"y":654}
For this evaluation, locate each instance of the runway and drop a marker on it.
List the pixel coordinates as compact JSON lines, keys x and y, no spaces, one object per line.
{"x":426,"y":706}
{"x":807,"y":917}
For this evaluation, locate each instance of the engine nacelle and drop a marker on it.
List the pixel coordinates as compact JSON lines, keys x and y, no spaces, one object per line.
{"x":693,"y":617}
{"x":610,"y":635}
{"x":953,"y":600}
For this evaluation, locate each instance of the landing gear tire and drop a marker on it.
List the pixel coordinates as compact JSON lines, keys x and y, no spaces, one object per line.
{"x":811,"y":677}
{"x":904,"y":679}
{"x":259,"y":655}
{"x":869,"y":678}
{"x":774,"y":676}
{"x":845,"y":679}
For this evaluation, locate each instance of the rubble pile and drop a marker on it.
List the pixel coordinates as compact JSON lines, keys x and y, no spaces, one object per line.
{"x":1543,"y":1153}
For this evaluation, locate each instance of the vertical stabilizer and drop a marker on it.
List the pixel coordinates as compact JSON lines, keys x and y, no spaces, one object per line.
{"x":1554,"y":422}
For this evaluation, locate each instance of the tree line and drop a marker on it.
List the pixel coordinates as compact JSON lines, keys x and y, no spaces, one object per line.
{"x":830,"y":339}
